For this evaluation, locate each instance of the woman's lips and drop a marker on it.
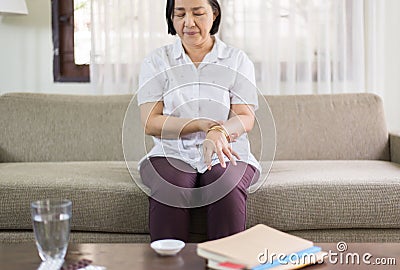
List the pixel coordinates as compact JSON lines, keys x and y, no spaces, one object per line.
{"x":191,"y":33}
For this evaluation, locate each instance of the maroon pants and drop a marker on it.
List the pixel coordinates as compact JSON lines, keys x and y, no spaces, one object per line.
{"x":225,"y":216}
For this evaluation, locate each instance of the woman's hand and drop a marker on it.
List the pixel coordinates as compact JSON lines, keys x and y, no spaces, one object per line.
{"x":216,"y":142}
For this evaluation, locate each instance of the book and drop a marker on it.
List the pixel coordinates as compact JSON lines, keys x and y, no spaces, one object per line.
{"x":258,"y":248}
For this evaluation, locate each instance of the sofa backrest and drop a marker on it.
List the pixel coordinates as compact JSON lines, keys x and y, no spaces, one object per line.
{"x":318,"y":127}
{"x":52,"y":127}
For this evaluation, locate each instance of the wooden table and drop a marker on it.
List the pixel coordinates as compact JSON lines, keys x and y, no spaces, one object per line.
{"x":142,"y":257}
{"x":385,"y":252}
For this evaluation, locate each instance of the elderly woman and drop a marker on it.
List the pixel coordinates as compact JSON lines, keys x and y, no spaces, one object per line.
{"x":198,"y":129}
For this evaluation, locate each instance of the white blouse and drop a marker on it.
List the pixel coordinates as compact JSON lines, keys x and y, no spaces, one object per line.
{"x":225,"y":77}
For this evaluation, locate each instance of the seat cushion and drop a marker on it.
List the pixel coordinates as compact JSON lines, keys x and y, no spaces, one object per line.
{"x":104,"y":197}
{"x":297,"y":195}
{"x":303,"y":195}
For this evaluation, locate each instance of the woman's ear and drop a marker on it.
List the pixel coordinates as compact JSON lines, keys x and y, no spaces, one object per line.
{"x":215,"y":14}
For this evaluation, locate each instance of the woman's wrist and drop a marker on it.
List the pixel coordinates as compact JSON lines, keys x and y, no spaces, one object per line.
{"x":204,"y":124}
{"x":221,"y":129}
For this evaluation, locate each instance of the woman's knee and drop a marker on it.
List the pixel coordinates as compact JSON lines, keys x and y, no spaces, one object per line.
{"x":231,"y":176}
{"x":170,"y":181}
{"x":158,"y":170}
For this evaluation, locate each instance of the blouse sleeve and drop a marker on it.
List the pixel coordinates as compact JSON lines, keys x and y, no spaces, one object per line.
{"x":244,"y":90}
{"x":151,"y":82}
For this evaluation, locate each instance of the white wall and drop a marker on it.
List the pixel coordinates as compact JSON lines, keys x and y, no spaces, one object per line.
{"x":26,"y":56}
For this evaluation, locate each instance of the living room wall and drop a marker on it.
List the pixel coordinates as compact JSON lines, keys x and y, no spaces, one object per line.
{"x":26,"y":53}
{"x":26,"y":56}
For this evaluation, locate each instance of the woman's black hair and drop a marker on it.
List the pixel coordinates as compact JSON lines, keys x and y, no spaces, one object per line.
{"x":170,"y":13}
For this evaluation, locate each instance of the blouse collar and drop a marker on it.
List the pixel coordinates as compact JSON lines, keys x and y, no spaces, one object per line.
{"x":219,"y":50}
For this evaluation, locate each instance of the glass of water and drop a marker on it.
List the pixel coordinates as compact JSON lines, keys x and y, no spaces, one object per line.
{"x":51,"y":225}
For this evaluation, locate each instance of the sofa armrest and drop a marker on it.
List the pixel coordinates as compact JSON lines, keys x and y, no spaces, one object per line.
{"x":394,"y":139}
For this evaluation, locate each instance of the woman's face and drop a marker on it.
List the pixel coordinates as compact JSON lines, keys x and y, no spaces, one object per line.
{"x":193,"y":20}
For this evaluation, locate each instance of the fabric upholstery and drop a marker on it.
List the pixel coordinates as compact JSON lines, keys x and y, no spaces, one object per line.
{"x":395,"y":147}
{"x":20,"y":236}
{"x":322,"y":236}
{"x":325,"y":127}
{"x":350,"y":235}
{"x":297,"y":195}
{"x":331,"y":178}
{"x":339,"y":194}
{"x":44,"y":127}
{"x":104,"y":197}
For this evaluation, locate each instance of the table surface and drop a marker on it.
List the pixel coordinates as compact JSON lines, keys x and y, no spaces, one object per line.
{"x":142,"y":257}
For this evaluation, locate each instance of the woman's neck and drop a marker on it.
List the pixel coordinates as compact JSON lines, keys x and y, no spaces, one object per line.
{"x":198,"y":52}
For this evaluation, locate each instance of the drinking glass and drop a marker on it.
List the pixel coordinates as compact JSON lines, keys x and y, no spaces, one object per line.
{"x":51,"y":225}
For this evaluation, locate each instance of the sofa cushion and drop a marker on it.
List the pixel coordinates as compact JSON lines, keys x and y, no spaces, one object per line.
{"x":104,"y":197}
{"x":304,"y":195}
{"x":53,"y":127}
{"x":297,"y":195}
{"x":323,"y":127}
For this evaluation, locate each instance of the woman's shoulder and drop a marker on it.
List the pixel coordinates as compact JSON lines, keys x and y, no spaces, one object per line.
{"x":161,"y":53}
{"x":232,"y":52}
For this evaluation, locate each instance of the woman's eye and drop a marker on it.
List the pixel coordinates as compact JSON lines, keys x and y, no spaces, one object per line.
{"x":180,"y":15}
{"x":199,"y":14}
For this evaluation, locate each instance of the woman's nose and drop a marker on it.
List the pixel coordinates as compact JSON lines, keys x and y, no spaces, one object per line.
{"x":189,"y":20}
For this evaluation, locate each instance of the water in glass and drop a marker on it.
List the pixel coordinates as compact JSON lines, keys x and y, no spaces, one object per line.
{"x":51,"y":225}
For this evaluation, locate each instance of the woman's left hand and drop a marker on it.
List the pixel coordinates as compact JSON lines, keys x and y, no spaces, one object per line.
{"x":216,"y":142}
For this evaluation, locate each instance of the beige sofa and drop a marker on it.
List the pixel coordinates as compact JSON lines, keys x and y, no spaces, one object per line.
{"x":336,"y":174}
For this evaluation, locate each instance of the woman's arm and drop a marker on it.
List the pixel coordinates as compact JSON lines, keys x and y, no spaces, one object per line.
{"x":169,"y":127}
{"x":241,"y":120}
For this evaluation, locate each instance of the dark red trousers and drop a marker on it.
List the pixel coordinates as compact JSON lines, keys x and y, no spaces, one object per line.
{"x":225,"y":216}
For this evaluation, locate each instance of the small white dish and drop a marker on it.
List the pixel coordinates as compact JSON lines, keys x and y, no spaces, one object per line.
{"x":167,"y":247}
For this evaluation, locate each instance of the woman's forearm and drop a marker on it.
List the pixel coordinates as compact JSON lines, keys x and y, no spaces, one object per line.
{"x":239,"y":124}
{"x":170,"y":127}
{"x":157,"y":124}
{"x":241,"y":119}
